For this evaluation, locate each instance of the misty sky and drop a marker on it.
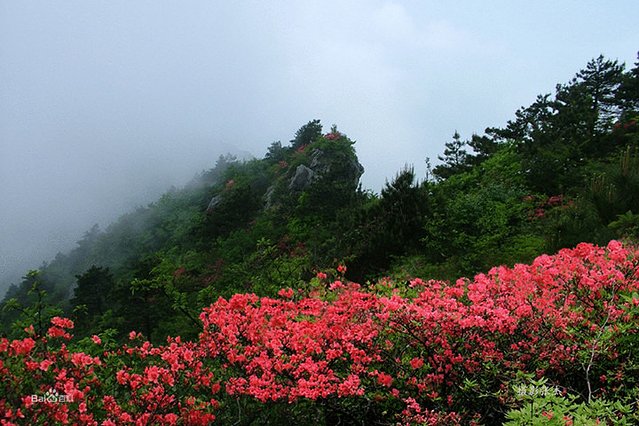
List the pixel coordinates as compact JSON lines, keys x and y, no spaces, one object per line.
{"x":106,"y":104}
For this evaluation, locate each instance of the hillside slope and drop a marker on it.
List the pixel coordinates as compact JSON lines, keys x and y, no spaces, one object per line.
{"x":565,"y":170}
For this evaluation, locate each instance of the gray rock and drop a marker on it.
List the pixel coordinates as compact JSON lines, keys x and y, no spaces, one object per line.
{"x":318,"y":163}
{"x":268,"y":197}
{"x":215,"y":201}
{"x":324,"y":165}
{"x":302,"y":179}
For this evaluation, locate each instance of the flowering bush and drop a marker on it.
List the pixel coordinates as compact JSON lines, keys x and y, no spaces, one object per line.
{"x":420,"y":352}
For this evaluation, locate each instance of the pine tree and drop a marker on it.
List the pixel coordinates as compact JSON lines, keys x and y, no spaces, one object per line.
{"x":455,"y":159}
{"x":600,"y":80}
{"x":307,"y":134}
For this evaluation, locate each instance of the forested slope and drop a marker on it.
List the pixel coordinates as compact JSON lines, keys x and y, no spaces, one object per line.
{"x":564,"y":170}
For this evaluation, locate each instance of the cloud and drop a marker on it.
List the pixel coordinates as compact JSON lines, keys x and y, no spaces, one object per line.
{"x":392,"y":23}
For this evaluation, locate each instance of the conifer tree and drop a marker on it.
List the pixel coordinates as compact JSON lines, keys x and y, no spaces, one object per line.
{"x":455,"y":159}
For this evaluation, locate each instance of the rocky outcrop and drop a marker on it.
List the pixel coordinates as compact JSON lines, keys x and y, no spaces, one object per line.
{"x":215,"y":201}
{"x":339,"y":166}
{"x":318,"y":162}
{"x":302,"y":178}
{"x":268,"y":197}
{"x":322,"y":165}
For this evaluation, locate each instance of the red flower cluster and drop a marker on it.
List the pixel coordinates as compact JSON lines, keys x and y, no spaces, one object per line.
{"x":545,"y":204}
{"x":281,"y":349}
{"x":409,"y":346}
{"x":332,"y":136}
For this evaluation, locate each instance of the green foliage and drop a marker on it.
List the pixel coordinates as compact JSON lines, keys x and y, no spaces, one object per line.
{"x":35,"y":309}
{"x":479,"y":219}
{"x":91,"y":297}
{"x":600,"y":81}
{"x":391,"y":225}
{"x":264,"y":269}
{"x":307,"y":134}
{"x":628,"y":93}
{"x":556,"y":136}
{"x":541,"y":404}
{"x":567,"y":225}
{"x":276,"y":152}
{"x":626,"y":226}
{"x":616,"y":190}
{"x":455,"y":159}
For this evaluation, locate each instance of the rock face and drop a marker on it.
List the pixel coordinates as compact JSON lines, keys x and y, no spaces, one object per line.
{"x":333,"y":167}
{"x":340,"y":165}
{"x":302,"y":178}
{"x":215,"y":201}
{"x":268,"y":197}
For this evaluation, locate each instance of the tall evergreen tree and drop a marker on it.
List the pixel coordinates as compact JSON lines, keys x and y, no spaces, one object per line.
{"x":91,"y":295}
{"x":403,"y":204}
{"x":455,"y":159}
{"x":307,"y":134}
{"x":483,"y":148}
{"x":92,"y":290}
{"x":393,"y":226}
{"x":628,"y":93}
{"x":601,"y":79}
